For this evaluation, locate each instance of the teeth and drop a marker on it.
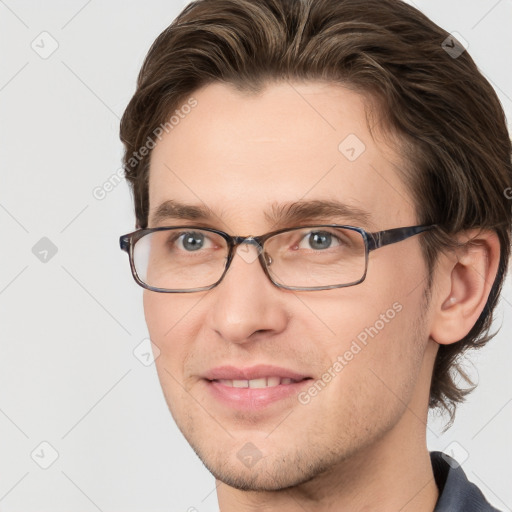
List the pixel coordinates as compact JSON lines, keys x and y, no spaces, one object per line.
{"x":273,"y":381}
{"x":263,"y":382}
{"x":258,"y":383}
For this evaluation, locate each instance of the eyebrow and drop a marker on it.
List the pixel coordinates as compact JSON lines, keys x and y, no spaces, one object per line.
{"x":173,"y":209}
{"x":302,"y":211}
{"x":285,"y":214}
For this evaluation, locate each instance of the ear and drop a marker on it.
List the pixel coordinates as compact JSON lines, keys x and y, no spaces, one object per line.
{"x":464,"y":279}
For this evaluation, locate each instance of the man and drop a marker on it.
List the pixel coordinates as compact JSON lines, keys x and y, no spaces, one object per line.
{"x":322,"y":231}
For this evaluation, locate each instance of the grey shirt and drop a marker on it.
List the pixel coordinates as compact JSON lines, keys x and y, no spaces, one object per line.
{"x":456,"y":492}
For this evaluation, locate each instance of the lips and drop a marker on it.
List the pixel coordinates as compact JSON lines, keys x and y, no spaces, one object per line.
{"x":253,"y":388}
{"x":255,"y":373}
{"x":263,"y":382}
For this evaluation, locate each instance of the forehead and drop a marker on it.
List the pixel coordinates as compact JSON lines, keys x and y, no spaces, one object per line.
{"x":241,"y":155}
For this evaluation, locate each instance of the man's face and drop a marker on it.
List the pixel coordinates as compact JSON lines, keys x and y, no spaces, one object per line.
{"x":239,"y":155}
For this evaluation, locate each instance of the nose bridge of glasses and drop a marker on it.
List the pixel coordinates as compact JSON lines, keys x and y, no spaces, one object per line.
{"x":243,"y":250}
{"x":251,"y":240}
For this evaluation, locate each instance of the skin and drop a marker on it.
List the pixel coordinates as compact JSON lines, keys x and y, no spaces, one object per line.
{"x":360,"y":443}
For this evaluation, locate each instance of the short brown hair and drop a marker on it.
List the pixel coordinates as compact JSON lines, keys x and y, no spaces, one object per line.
{"x":443,"y":110}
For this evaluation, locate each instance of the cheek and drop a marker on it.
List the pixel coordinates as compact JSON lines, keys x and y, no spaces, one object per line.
{"x":377,"y":341}
{"x":372,"y":384}
{"x":170,"y":324}
{"x":156,"y":313}
{"x":167,"y":314}
{"x":151,"y":312}
{"x":167,"y":321}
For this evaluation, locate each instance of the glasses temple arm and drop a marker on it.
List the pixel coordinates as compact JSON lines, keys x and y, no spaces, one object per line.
{"x":391,"y":236}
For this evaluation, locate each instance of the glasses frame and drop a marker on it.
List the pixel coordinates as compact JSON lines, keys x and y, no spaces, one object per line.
{"x":372,"y":241}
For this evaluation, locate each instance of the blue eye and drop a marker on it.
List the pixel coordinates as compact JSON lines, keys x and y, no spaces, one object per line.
{"x":192,"y":241}
{"x":320,"y":240}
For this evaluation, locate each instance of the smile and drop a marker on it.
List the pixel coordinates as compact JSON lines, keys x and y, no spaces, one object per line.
{"x":264,"y":382}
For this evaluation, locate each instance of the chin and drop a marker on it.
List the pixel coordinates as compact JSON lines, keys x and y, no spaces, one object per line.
{"x":274,"y":472}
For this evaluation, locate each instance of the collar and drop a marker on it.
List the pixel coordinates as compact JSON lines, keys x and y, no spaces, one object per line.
{"x":456,"y":492}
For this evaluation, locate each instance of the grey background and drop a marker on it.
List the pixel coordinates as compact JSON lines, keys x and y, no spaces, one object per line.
{"x":70,"y":323}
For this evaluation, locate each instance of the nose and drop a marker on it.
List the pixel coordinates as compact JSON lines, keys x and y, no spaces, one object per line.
{"x":245,"y":304}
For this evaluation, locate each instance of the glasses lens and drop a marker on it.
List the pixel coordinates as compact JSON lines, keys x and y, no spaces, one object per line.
{"x":180,"y":259}
{"x":317,"y":256}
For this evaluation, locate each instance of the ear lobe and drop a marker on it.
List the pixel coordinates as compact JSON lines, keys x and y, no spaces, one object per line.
{"x":466,"y":282}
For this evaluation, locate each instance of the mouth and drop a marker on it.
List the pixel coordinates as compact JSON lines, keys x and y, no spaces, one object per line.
{"x":254,"y":388}
{"x":261,"y":383}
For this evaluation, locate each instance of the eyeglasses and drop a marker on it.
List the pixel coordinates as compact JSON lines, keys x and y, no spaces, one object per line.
{"x":183,"y":259}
